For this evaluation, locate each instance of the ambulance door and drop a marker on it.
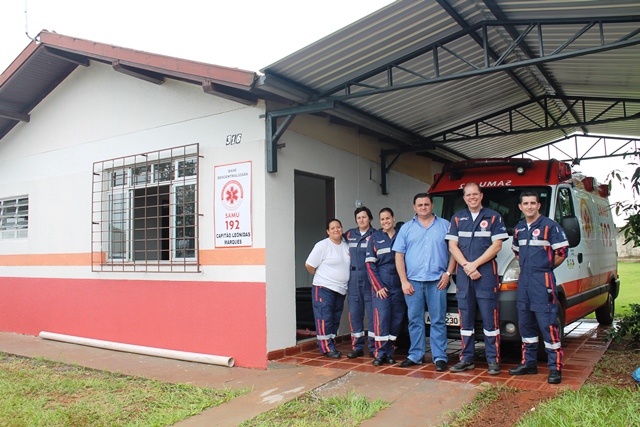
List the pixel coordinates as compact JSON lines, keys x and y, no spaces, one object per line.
{"x":591,"y":236}
{"x":568,"y":274}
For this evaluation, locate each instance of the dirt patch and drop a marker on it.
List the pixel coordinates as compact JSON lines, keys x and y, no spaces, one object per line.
{"x":509,"y":407}
{"x":616,"y":366}
{"x":614,"y":369}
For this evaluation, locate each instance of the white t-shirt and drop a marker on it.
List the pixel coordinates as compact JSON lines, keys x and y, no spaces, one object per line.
{"x":332,"y":264}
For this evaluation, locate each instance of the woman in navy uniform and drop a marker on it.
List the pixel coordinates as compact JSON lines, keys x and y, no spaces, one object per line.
{"x":329,"y":263}
{"x":388,"y":302}
{"x":359,"y":289}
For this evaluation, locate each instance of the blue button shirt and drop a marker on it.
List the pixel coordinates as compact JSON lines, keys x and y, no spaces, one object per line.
{"x":426,"y":252}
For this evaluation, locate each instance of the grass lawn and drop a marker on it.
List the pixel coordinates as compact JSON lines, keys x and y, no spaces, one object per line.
{"x":311,"y":411}
{"x":38,"y":392}
{"x":629,"y":273}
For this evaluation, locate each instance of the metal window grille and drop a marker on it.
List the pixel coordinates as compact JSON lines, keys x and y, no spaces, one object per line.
{"x":145,"y":212}
{"x":14,"y":217}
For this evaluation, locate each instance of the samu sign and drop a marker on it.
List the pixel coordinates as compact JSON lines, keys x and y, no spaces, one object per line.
{"x":232,"y":205}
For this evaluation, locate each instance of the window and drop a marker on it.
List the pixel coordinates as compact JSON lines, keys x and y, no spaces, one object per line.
{"x":14,"y":217}
{"x":504,"y":200}
{"x":564,"y":205}
{"x":145,"y":212}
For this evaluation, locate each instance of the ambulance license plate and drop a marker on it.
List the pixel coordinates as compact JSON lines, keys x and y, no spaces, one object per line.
{"x":451,"y":319}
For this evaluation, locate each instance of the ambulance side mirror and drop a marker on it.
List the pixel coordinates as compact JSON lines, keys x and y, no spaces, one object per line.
{"x":571,"y":228}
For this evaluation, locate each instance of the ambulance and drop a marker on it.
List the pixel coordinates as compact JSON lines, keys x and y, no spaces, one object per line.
{"x":587,"y":280}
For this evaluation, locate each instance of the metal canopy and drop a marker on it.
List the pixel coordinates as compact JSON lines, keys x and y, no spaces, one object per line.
{"x":458,"y":79}
{"x":576,"y":148}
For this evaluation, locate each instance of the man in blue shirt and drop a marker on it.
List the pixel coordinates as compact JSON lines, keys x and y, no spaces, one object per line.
{"x":424,"y":266}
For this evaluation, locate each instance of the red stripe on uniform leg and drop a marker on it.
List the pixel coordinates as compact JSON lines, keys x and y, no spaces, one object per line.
{"x":324,"y":344}
{"x":376,"y":327}
{"x":353,"y":339}
{"x":372,"y":278}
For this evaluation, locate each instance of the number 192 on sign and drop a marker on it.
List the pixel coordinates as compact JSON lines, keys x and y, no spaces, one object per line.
{"x":232,"y":224}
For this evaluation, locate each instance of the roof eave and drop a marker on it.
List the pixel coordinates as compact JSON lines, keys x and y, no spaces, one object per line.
{"x":185,"y":69}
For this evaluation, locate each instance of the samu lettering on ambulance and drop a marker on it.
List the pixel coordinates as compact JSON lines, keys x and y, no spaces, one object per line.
{"x":232,"y":215}
{"x":490,"y":184}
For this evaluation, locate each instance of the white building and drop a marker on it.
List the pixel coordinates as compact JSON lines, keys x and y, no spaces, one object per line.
{"x":166,"y":203}
{"x":115,"y":223}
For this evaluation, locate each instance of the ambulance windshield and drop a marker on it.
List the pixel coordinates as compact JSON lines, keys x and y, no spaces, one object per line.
{"x":501,"y":199}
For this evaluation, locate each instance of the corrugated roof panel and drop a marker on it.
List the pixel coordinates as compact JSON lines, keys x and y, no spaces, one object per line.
{"x":390,"y":33}
{"x":503,"y":146}
{"x":429,"y":110}
{"x":527,"y":9}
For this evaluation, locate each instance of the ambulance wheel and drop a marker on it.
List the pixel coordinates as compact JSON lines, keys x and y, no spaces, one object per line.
{"x":542,"y":353}
{"x":606,"y":313}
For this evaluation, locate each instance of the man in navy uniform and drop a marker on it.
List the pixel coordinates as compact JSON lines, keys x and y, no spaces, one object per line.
{"x":475,"y":238}
{"x":540,"y":246}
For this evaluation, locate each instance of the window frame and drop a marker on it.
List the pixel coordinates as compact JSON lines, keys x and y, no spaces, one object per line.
{"x":14,"y":220}
{"x":148,"y":186}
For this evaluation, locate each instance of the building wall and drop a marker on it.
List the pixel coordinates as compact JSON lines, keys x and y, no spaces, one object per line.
{"x":312,"y":146}
{"x":242,"y":302}
{"x":626,"y":251}
{"x":46,"y":280}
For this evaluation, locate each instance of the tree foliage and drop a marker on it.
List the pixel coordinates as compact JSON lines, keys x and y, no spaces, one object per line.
{"x":627,"y":328}
{"x":629,"y":208}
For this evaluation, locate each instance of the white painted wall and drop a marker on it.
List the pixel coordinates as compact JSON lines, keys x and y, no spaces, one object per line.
{"x":98,"y":114}
{"x":51,"y":160}
{"x":352,"y":180}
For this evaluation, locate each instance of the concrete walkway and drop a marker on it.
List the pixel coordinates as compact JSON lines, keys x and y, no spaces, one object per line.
{"x":415,"y":402}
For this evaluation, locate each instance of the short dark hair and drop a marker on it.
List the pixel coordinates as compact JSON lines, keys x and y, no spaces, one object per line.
{"x":530,"y":193}
{"x":422,"y":196}
{"x":332,"y":220}
{"x":386,"y":210}
{"x":363,"y":209}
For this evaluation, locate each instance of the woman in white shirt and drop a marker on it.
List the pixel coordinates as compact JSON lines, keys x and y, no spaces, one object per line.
{"x":329,"y":262}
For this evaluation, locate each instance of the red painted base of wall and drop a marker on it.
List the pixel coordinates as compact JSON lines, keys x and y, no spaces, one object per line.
{"x":220,"y":318}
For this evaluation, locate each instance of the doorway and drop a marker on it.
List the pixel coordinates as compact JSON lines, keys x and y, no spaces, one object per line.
{"x":314,"y":200}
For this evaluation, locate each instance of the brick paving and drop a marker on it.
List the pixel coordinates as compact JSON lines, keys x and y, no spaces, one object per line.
{"x":583,"y":348}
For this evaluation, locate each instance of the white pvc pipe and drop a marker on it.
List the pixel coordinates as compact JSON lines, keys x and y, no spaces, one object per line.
{"x":138,"y":349}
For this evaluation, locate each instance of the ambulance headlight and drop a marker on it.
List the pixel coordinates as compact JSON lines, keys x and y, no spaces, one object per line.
{"x":512,"y":272}
{"x":520,"y":170}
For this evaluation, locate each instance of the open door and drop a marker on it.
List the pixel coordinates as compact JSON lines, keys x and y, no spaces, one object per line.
{"x":314,"y":206}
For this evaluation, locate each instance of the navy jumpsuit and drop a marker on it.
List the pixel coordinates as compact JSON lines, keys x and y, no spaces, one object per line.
{"x":474,"y":238}
{"x":359,"y":289}
{"x":389,"y":312}
{"x":536,"y":247}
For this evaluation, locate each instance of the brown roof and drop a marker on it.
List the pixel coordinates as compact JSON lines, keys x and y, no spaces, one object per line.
{"x":45,"y":63}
